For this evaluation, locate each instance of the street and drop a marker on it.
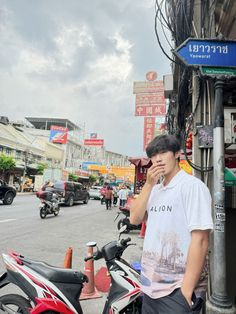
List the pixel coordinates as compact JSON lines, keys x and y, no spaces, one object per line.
{"x":25,"y":232}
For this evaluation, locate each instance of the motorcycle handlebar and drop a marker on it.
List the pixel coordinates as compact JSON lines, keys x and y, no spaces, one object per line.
{"x":125,"y":241}
{"x":96,"y":256}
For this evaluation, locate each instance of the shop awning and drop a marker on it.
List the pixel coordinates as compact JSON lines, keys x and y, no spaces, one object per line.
{"x":140,"y":161}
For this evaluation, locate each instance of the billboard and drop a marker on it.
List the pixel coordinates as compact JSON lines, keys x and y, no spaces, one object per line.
{"x":93,"y":142}
{"x":58,"y":134}
{"x":149,"y":130}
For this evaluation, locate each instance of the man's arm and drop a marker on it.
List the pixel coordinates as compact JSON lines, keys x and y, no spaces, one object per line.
{"x":139,"y":206}
{"x":195,"y":261}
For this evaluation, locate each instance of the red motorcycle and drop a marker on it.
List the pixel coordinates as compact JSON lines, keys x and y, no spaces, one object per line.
{"x":57,"y":290}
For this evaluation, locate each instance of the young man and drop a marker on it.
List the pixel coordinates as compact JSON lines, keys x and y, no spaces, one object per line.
{"x":178,"y":213}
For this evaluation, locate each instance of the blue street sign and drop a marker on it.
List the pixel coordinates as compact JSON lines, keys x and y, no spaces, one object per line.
{"x":207,"y":52}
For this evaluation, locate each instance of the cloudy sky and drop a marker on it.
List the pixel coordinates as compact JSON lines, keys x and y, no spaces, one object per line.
{"x":78,"y":60}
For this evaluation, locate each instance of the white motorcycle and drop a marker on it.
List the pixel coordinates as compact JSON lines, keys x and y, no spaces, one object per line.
{"x":50,"y":203}
{"x":57,"y":290}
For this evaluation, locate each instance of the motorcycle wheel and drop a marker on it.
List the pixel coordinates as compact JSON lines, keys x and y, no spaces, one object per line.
{"x":43,"y":212}
{"x":16,"y":303}
{"x":56,"y":211}
{"x":121,"y":224}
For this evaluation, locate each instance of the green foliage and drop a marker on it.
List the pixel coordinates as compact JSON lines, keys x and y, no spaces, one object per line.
{"x":41,"y":167}
{"x":73,"y":177}
{"x":92,"y":178}
{"x":6,"y":163}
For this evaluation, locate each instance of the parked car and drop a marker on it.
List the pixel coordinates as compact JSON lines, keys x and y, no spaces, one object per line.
{"x":7,"y":193}
{"x":71,"y":192}
{"x":94,"y":192}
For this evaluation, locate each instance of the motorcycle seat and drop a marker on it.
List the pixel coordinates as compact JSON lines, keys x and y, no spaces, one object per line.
{"x":55,"y":274}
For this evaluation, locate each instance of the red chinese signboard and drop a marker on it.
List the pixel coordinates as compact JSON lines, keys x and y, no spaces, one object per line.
{"x":149,"y":131}
{"x":150,"y":99}
{"x":148,"y":87}
{"x":94,"y":142}
{"x":152,"y":110}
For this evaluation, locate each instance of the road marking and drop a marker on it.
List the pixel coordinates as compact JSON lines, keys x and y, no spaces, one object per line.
{"x":7,"y":220}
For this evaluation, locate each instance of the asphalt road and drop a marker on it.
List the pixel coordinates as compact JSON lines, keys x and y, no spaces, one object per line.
{"x":22,"y":230}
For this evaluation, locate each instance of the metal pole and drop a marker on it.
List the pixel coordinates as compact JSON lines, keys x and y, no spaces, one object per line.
{"x":219,"y":296}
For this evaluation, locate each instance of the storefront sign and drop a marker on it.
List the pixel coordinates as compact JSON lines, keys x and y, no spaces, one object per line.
{"x":94,"y":142}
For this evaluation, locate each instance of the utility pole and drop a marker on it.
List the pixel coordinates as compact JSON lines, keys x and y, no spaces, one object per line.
{"x":219,"y":301}
{"x":196,"y":98}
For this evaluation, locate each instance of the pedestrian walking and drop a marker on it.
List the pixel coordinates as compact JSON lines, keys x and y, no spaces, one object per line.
{"x":178,"y":216}
{"x":115,"y":195}
{"x":123,"y":195}
{"x":108,"y":197}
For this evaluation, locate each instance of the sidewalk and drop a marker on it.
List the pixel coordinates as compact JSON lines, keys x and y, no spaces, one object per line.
{"x":25,"y":193}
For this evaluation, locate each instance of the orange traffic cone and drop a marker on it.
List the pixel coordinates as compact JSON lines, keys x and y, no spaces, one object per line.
{"x":142,"y":231}
{"x":68,"y":258}
{"x":89,"y":291}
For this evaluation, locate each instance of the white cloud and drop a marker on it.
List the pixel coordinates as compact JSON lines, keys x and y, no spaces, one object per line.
{"x":78,"y":60}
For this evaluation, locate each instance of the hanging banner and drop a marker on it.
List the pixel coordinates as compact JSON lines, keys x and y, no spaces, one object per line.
{"x":58,"y":134}
{"x":94,"y":142}
{"x":149,"y":131}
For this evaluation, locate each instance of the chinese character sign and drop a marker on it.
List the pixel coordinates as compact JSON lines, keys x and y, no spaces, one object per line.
{"x":152,"y":110}
{"x":150,"y":100}
{"x":149,"y":130}
{"x":58,"y":134}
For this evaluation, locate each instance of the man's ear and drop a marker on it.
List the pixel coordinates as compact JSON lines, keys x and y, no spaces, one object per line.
{"x":177,"y":155}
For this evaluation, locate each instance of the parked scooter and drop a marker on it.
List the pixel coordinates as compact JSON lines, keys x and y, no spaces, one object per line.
{"x":125,"y":221}
{"x":52,"y":289}
{"x":50,"y":203}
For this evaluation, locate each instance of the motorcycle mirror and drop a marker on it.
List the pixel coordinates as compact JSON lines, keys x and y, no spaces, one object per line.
{"x":122,"y":230}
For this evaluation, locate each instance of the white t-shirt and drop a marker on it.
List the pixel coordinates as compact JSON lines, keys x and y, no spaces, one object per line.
{"x":123,"y":194}
{"x":173,"y":212}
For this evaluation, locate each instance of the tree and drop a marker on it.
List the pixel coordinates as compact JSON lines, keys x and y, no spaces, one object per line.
{"x":92,"y":178}
{"x":6,"y":163}
{"x":73,"y":177}
{"x":41,"y":167}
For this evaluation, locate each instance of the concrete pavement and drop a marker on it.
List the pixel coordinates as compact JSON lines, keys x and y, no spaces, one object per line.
{"x":23,"y":230}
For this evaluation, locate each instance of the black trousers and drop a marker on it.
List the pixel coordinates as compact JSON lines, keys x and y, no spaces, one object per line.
{"x":108,"y":203}
{"x":175,"y":303}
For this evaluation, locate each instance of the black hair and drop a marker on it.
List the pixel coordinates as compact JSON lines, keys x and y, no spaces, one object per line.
{"x":161,"y":144}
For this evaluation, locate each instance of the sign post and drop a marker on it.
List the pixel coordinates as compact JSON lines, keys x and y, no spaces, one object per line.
{"x":217,"y":59}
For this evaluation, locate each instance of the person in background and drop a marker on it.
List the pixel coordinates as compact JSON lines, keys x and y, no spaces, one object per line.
{"x":123,"y":195}
{"x":102,"y":192}
{"x":115,"y":195}
{"x":178,"y":213}
{"x":108,"y":197}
